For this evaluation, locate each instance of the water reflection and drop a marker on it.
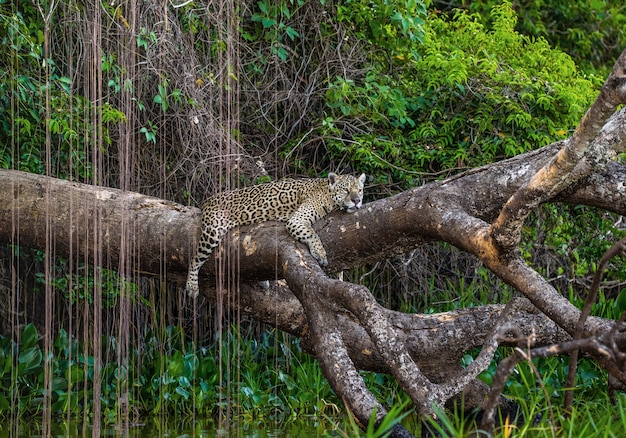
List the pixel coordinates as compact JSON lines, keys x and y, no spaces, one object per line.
{"x":158,"y":427}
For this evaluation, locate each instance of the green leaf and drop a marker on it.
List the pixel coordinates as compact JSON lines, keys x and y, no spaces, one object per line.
{"x":183,"y":382}
{"x":268,"y":22}
{"x":183,"y":392}
{"x":292,"y":33}
{"x":59,"y":384}
{"x":75,"y":374}
{"x":29,"y":337}
{"x":176,"y":365}
{"x":4,"y":403}
{"x":30,"y":359}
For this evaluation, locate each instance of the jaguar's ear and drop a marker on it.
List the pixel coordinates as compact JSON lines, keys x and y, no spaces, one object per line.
{"x":362,"y":180}
{"x":332,"y":179}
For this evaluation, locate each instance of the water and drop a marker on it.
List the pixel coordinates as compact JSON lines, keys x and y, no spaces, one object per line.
{"x":300,"y":428}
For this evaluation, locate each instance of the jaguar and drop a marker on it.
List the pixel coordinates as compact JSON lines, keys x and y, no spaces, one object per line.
{"x":298,"y":202}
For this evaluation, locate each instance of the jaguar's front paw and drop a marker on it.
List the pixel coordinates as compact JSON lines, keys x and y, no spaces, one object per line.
{"x":320,"y":256}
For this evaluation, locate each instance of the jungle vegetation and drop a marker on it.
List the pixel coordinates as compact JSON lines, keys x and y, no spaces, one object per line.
{"x":178,"y":100}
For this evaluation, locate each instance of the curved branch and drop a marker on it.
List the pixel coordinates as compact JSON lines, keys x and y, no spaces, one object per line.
{"x":300,"y":269}
{"x":577,"y":158}
{"x":307,"y":281}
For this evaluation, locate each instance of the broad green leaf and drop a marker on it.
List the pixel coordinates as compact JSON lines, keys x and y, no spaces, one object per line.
{"x":29,"y":336}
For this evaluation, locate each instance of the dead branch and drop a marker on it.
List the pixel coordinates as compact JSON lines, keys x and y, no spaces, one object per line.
{"x":616,"y":249}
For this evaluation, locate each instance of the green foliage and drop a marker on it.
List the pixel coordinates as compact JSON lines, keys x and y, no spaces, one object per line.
{"x":538,"y":389}
{"x":467,"y":96}
{"x":270,"y":380}
{"x":395,"y":26}
{"x":166,"y":375}
{"x":395,"y":416}
{"x":591,"y":32}
{"x":28,"y":84}
{"x":150,"y":132}
{"x":78,"y":287}
{"x":448,"y":424}
{"x":566,"y":242}
{"x":165,"y":98}
{"x":145,"y":38}
{"x":272,"y":20}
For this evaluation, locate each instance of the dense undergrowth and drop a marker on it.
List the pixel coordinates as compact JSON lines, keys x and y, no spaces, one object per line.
{"x":588,"y":31}
{"x":165,"y":375}
{"x":251,"y":378}
{"x":466,"y":95}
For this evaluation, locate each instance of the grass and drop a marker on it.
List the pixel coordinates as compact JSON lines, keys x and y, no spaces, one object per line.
{"x":589,"y":419}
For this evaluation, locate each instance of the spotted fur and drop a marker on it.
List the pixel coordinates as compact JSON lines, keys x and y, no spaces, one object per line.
{"x":300,"y":203}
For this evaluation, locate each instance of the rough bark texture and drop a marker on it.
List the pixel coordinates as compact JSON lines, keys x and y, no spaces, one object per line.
{"x":342,"y":324}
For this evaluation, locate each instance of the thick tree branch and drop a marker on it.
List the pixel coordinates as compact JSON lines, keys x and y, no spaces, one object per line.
{"x":303,"y":274}
{"x":579,"y":156}
{"x":326,"y":338}
{"x":382,"y":229}
{"x":76,"y":212}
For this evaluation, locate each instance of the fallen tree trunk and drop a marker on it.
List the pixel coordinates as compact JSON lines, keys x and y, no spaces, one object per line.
{"x":72,"y":212}
{"x":72,"y":224}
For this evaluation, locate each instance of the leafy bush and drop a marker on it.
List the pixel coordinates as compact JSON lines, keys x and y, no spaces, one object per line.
{"x":394,"y":26}
{"x":466,"y":96}
{"x":591,"y":32}
{"x":164,"y":375}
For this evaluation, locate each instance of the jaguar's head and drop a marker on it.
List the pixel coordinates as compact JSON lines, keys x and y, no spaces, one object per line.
{"x":346,"y":191}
